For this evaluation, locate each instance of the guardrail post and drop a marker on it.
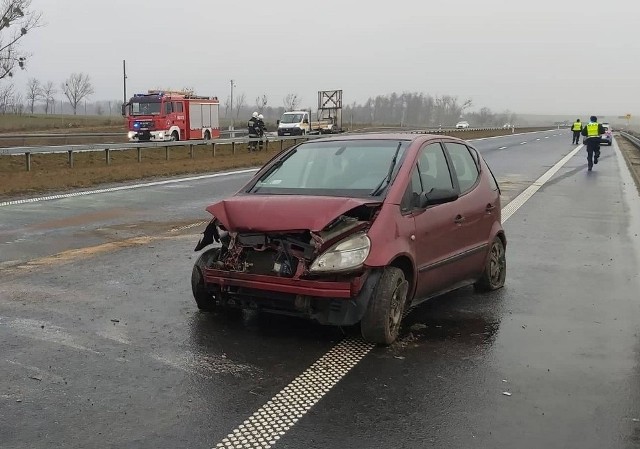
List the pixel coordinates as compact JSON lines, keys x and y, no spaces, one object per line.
{"x":213,"y":149}
{"x":281,"y":145}
{"x":233,"y":148}
{"x":295,"y":141}
{"x":70,"y":158}
{"x":107,"y":156}
{"x":266,"y":145}
{"x":28,"y":160}
{"x":139,"y":154}
{"x":166,"y":151}
{"x":191,"y":153}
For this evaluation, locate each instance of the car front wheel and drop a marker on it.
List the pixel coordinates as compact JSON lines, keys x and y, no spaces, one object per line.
{"x":204,"y":299}
{"x":495,"y":270}
{"x":381,"y":321}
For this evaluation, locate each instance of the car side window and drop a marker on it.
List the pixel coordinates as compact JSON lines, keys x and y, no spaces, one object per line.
{"x":464,"y":165}
{"x":167,"y":108}
{"x":434,"y":170}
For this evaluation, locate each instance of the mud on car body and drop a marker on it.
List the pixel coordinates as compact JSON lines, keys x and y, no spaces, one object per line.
{"x":353,"y":230}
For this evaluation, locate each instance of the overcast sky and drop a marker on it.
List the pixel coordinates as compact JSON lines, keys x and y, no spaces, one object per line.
{"x":531,"y":57}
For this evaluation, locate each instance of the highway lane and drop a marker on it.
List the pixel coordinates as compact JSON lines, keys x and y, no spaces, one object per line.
{"x":106,"y":348}
{"x":44,"y":228}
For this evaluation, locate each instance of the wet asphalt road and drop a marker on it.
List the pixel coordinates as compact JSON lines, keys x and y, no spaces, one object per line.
{"x":103,"y":346}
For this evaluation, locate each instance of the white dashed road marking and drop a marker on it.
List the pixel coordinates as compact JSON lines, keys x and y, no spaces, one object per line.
{"x":523,"y":143}
{"x":502,"y":148}
{"x":271,"y":421}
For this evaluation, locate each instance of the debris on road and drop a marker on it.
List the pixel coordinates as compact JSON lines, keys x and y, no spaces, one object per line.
{"x":115,"y":321}
{"x":506,"y":393}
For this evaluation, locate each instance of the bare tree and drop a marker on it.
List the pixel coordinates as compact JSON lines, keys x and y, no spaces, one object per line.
{"x":261,"y":103}
{"x":291,"y":102}
{"x":241,"y":102}
{"x":18,"y":104}
{"x":76,"y":88}
{"x":6,"y":98}
{"x":16,"y":20}
{"x":34,"y":93}
{"x":48,"y":95}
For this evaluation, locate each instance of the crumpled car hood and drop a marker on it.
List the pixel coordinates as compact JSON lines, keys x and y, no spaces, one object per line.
{"x":272,"y":213}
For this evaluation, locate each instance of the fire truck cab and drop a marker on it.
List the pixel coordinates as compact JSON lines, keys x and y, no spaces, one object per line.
{"x":172,"y":115}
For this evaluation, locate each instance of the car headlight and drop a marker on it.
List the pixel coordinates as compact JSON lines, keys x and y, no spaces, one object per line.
{"x":345,"y":255}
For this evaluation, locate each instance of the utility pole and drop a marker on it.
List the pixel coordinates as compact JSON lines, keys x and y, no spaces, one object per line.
{"x":231,"y":107}
{"x":124,"y":79}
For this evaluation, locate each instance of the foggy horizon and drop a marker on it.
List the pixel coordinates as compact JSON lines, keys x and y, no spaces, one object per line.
{"x":530,"y":60}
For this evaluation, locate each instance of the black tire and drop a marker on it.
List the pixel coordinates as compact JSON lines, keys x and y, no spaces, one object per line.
{"x":382,"y":319}
{"x":204,"y":299}
{"x":174,"y":136}
{"x":207,"y":136}
{"x":495,"y":269}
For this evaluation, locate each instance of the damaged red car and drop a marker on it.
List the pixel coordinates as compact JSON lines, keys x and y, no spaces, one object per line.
{"x":355,"y":229}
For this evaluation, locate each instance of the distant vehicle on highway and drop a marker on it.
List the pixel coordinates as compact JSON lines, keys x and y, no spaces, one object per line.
{"x":607,"y":137}
{"x":507,"y":126}
{"x":309,"y":234}
{"x":298,"y":123}
{"x":462,"y":125}
{"x":170,"y":115}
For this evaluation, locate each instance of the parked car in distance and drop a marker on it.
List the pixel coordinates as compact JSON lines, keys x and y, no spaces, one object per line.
{"x":355,"y":229}
{"x":607,"y":137}
{"x":462,"y":125}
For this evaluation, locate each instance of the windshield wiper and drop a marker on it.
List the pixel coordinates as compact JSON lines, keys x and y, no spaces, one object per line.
{"x":385,"y":182}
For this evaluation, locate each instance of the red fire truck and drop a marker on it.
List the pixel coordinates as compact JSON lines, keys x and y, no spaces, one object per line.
{"x":172,"y":115}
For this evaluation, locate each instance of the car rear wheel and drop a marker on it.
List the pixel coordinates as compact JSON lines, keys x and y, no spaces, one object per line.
{"x":495,"y":270}
{"x":381,"y":321}
{"x":174,"y":136}
{"x":204,"y":299}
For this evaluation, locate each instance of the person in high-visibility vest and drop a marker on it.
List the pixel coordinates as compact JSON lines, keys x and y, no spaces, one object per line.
{"x":592,"y":132}
{"x":576,"y":128}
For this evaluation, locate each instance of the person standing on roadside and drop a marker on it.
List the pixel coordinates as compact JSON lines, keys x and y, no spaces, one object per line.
{"x":252,"y":128}
{"x":576,"y":128}
{"x":592,"y":131}
{"x":261,"y":130}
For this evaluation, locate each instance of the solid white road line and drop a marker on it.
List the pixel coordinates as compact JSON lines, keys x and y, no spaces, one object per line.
{"x":271,"y":421}
{"x":127,"y":187}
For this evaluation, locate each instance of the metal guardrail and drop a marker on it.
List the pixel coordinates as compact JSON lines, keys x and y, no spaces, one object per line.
{"x":270,"y":139}
{"x":631,"y":138}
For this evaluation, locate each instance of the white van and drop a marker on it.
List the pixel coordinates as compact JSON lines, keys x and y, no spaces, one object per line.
{"x":294,"y":123}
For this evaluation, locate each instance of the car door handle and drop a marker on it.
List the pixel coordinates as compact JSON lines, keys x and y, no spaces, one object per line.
{"x":490,"y":207}
{"x":459,"y":219}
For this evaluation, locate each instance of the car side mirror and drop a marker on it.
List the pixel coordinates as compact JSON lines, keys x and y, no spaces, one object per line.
{"x":305,"y":121}
{"x":277,"y":122}
{"x":436,"y":196}
{"x":124,"y":109}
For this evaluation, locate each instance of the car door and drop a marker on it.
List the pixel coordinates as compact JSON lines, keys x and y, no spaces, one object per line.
{"x":473,"y":211}
{"x":436,"y":237}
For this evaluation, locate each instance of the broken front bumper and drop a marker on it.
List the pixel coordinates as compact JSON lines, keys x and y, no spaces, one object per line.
{"x":306,"y":287}
{"x":337,"y":303}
